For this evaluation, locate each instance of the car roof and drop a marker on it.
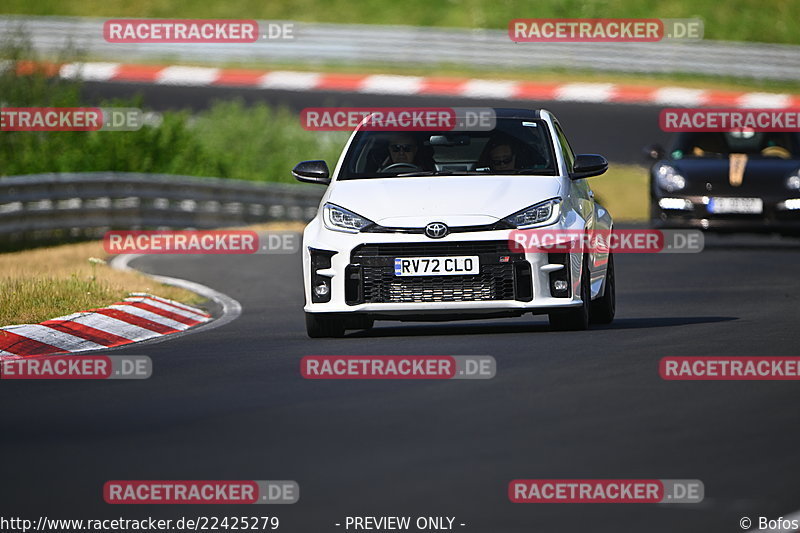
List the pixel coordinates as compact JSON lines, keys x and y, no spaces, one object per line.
{"x":508,"y":112}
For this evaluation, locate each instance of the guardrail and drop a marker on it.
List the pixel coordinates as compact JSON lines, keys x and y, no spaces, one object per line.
{"x":362,"y":43}
{"x":52,"y":207}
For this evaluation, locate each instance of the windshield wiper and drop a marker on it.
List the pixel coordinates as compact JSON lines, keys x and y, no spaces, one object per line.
{"x":425,"y":173}
{"x":531,"y":171}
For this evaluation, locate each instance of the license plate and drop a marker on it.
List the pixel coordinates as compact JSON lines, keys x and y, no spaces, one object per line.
{"x":736,"y":205}
{"x":437,"y":266}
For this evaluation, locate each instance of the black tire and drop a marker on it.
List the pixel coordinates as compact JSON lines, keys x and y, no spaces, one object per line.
{"x":603,"y":309}
{"x":321,"y":325}
{"x":575,"y":318}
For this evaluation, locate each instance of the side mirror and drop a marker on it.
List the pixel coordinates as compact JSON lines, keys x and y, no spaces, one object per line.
{"x":588,"y":165}
{"x":312,"y":172}
{"x":654,"y":152}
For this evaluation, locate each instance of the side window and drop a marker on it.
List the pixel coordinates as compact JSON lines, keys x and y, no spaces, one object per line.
{"x":569,"y":155}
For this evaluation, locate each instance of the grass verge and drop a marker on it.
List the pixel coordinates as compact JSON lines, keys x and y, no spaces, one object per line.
{"x":45,"y":283}
{"x":623,"y":191}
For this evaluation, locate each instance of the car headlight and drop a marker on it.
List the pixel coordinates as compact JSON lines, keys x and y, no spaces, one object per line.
{"x":340,"y":219}
{"x":793,"y":181}
{"x":541,"y":214}
{"x":668,"y":178}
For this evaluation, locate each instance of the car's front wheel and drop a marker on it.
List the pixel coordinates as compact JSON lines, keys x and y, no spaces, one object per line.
{"x":320,"y":325}
{"x":603,"y":309}
{"x":575,"y":318}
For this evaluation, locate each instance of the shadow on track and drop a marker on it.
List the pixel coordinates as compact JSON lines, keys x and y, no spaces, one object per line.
{"x":422,"y":330}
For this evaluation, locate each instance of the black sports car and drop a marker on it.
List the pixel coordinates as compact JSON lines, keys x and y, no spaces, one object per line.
{"x":737,"y":181}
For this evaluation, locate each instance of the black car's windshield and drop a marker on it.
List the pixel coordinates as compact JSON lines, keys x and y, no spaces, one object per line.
{"x":783,"y":145}
{"x":514,"y":146}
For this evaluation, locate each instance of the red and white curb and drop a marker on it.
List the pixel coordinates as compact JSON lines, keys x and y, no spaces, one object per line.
{"x":416,"y":85}
{"x":138,"y":317}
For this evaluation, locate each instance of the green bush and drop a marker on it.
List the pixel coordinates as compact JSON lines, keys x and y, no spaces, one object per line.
{"x":229,"y":140}
{"x":262,"y":143}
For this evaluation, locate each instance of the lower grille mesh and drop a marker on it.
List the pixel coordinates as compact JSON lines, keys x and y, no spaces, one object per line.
{"x":495,"y":282}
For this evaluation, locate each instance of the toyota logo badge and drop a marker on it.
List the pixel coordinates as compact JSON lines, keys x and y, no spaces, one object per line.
{"x":436,"y":230}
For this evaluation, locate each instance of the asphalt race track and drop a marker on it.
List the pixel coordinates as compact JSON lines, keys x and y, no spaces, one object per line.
{"x":230,"y":403}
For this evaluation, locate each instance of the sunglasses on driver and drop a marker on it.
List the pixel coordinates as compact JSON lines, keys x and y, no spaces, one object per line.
{"x":402,"y":147}
{"x":504,"y":161}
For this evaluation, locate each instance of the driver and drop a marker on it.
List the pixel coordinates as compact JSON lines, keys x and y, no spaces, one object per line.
{"x":502,"y":157}
{"x":402,"y":149}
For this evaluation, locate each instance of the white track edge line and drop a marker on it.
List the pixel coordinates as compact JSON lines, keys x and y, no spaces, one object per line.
{"x":231,"y":308}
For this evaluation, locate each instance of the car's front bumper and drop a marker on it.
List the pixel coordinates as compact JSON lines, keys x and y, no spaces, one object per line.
{"x":361,"y":278}
{"x":774,"y":218}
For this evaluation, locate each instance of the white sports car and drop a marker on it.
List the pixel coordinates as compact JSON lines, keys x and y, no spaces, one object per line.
{"x":417,"y":226}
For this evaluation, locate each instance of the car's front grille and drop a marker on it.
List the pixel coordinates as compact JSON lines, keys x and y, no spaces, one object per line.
{"x":370,"y":278}
{"x":495,"y":282}
{"x":413,"y":249}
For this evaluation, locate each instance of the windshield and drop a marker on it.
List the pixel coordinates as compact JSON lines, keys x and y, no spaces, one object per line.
{"x":514,"y":146}
{"x":783,"y":145}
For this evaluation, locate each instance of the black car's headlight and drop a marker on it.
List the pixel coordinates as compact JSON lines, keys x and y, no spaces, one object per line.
{"x":340,"y":219}
{"x":668,"y":178}
{"x":541,"y":214}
